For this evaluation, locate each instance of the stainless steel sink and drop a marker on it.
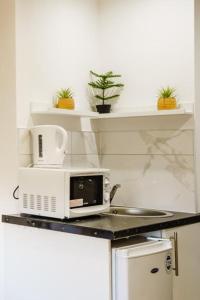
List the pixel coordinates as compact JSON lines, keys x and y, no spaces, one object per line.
{"x":137,"y":212}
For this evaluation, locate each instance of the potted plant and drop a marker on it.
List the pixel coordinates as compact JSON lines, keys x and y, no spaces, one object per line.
{"x":167,"y":99}
{"x":105,"y":88}
{"x":65,"y":99}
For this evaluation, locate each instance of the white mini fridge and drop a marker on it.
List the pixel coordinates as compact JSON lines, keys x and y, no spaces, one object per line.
{"x":142,"y":270}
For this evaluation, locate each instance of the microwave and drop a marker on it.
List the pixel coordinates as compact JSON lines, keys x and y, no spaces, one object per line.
{"x":63,"y":193}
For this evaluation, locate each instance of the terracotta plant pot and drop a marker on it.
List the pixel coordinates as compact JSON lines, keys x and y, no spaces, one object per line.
{"x":166,"y":103}
{"x":66,"y":103}
{"x":103,"y":108}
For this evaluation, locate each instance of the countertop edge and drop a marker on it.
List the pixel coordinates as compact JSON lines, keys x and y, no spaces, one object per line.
{"x":60,"y":226}
{"x":165,"y":225}
{"x":57,"y":226}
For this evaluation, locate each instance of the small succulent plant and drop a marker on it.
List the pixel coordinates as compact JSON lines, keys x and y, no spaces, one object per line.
{"x":167,"y":92}
{"x":64,"y":93}
{"x":64,"y":99}
{"x":167,"y":99}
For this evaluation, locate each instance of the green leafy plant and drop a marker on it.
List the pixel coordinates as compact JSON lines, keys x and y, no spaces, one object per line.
{"x":64,"y":93}
{"x":104,"y":86}
{"x":167,"y":92}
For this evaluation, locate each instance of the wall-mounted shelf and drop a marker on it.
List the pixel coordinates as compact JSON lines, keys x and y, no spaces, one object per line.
{"x":65,"y":112}
{"x":42,"y":110}
{"x":115,"y":115}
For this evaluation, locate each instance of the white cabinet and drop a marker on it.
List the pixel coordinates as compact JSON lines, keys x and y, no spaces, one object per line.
{"x":50,"y":265}
{"x":186,"y":286}
{"x":54,"y":265}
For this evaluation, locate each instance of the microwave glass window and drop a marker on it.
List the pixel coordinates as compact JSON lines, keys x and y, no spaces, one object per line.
{"x":86,"y":190}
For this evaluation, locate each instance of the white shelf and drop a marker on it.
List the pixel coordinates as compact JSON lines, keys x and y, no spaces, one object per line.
{"x":65,"y":112}
{"x":42,"y":109}
{"x":181,"y":111}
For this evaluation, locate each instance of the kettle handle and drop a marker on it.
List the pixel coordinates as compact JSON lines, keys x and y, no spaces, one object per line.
{"x":63,"y":132}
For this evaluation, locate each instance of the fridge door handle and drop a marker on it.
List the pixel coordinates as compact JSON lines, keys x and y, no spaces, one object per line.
{"x":174,"y":238}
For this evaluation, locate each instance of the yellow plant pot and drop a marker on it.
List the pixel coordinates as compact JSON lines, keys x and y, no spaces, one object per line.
{"x":66,"y":103}
{"x":166,"y":103}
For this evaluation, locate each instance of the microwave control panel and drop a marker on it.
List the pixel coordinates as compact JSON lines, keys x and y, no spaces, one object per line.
{"x":107,"y":189}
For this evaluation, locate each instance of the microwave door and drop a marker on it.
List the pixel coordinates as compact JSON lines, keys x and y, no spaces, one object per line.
{"x":86,"y":191}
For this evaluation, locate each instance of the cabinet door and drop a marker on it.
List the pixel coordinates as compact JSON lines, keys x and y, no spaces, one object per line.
{"x":51,"y":265}
{"x":186,"y":286}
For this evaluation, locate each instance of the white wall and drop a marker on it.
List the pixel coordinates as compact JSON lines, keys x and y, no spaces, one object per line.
{"x":151,"y":43}
{"x":56,"y":46}
{"x":8,"y":149}
{"x":197,"y":104}
{"x":148,"y":42}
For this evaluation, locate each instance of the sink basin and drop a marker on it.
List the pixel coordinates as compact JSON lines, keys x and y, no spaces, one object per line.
{"x":137,"y":212}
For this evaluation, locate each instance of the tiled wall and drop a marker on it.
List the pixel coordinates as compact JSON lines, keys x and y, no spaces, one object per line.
{"x":154,"y":167}
{"x":82,"y":150}
{"x":153,"y":161}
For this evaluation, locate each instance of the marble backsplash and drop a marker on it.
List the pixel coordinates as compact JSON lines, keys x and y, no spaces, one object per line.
{"x":154,"y":167}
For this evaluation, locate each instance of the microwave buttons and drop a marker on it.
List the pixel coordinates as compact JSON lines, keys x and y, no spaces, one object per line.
{"x":107,"y":189}
{"x":107,"y":181}
{"x":107,"y":185}
{"x":106,"y":197}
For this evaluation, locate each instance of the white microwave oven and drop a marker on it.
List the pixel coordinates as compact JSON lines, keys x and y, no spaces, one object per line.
{"x":63,"y":193}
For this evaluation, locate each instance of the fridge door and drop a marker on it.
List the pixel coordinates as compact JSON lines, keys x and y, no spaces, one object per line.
{"x":143,"y":271}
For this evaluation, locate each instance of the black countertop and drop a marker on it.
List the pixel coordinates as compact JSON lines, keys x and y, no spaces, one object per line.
{"x":104,"y":226}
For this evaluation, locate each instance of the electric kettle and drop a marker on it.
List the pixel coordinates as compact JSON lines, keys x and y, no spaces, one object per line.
{"x":48,"y":143}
